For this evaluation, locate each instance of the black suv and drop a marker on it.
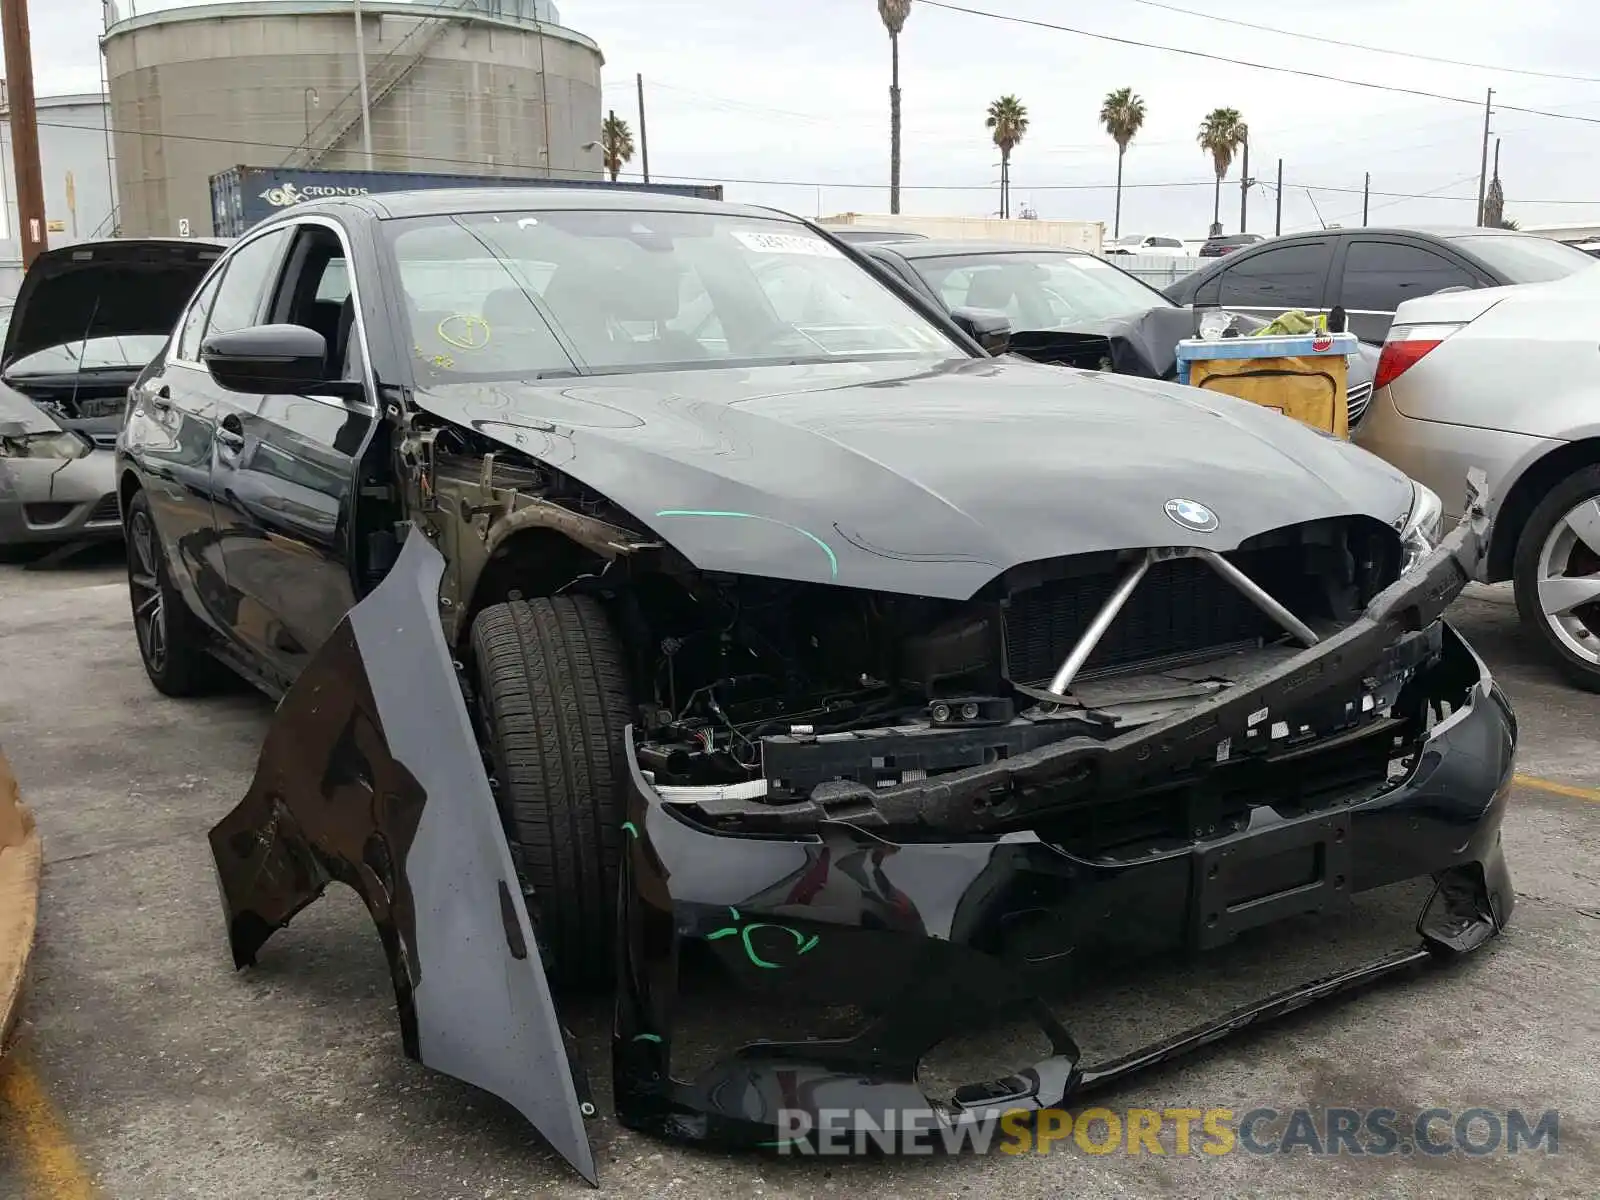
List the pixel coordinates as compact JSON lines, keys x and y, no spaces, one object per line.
{"x":1370,"y":271}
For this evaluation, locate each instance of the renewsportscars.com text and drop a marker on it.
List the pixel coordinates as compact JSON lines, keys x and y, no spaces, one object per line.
{"x":1432,"y":1132}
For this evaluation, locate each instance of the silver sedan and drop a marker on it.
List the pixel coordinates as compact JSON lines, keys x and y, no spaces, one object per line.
{"x":1507,"y":381}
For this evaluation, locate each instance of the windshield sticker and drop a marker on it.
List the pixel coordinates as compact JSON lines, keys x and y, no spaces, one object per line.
{"x":786,"y":243}
{"x":464,"y":331}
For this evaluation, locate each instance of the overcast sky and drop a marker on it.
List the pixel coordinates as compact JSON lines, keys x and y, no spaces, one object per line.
{"x":797,"y":93}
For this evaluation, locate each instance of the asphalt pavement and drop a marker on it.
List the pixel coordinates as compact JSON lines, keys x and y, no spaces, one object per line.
{"x":146,"y":1067}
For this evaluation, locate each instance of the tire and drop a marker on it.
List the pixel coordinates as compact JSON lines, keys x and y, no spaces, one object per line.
{"x":172,"y":640}
{"x":1547,"y":537}
{"x":553,"y":702}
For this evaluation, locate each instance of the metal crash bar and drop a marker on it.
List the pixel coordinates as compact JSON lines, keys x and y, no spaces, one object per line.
{"x":1253,"y":591}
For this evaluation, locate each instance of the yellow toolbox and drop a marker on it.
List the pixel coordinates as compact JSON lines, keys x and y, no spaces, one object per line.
{"x":1300,"y":375}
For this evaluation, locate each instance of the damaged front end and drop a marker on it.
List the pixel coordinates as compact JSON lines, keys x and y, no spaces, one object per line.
{"x":924,"y":878}
{"x":1067,"y":763}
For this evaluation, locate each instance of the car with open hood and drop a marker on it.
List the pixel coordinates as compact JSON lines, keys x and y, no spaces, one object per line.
{"x":626,"y":611}
{"x":86,"y":320}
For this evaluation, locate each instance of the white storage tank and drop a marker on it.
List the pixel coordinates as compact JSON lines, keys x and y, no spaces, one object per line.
{"x":480,"y":87}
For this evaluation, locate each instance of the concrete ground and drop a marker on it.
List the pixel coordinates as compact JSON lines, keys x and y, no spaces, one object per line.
{"x":146,"y":1067}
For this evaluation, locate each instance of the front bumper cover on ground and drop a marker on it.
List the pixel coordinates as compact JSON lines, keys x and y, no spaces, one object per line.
{"x":371,"y":776}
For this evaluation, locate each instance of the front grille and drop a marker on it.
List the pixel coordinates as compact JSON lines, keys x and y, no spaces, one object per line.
{"x":1358,"y":397}
{"x":1181,"y":607}
{"x":105,"y":509}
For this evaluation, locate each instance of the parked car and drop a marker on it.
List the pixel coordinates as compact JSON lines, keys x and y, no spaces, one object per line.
{"x":857,"y":233}
{"x":815,"y":644}
{"x":86,"y":319}
{"x":1227,"y":243}
{"x":1371,"y":271}
{"x":1149,"y":245}
{"x":1504,"y":380}
{"x":1110,"y":315}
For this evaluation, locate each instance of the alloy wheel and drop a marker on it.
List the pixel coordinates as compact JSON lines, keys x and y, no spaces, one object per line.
{"x":144,"y":587}
{"x":1569,"y":580}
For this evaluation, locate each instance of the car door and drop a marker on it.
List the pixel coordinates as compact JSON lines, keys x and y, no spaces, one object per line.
{"x":169,"y":438}
{"x":286,"y":470}
{"x":1377,"y":274}
{"x":1273,"y":279}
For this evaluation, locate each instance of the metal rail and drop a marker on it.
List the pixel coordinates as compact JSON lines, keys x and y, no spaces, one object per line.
{"x":1251,"y":590}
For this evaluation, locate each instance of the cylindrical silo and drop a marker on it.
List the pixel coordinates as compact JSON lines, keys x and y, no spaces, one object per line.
{"x":493,"y":87}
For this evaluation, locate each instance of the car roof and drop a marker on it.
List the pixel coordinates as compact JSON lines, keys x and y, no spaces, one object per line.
{"x":1439,"y":231}
{"x":952,"y":247}
{"x":441,"y":201}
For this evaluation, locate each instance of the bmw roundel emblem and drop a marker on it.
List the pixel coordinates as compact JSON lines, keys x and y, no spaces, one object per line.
{"x":1192,"y":515}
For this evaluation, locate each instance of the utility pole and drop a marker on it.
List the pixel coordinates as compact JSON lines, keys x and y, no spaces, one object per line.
{"x":1366,"y":195}
{"x":1244,"y":186}
{"x":644,"y":139}
{"x":24,"y":129}
{"x":1277,"y":220}
{"x":361,"y":71}
{"x":1483,"y":166}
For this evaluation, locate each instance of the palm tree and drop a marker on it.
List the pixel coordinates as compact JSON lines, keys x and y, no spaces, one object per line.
{"x":616,"y":144}
{"x":1122,"y":113}
{"x":894,"y":14}
{"x":1221,"y":133}
{"x":1008,"y":119}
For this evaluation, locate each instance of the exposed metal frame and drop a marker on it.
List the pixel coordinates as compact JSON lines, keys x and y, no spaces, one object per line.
{"x":1252,"y":591}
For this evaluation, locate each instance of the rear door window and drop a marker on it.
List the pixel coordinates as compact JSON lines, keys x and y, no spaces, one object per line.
{"x":1379,"y":276}
{"x":1280,"y":278}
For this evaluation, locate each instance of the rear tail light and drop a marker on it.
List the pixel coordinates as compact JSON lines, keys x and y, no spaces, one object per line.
{"x":1405,"y":347}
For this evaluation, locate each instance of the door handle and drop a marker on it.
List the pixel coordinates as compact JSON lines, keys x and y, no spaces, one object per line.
{"x":161,"y":398}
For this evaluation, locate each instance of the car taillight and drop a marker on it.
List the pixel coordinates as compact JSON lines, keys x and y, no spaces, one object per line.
{"x":1405,"y":347}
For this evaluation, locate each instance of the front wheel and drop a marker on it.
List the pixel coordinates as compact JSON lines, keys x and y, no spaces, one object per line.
{"x":171,"y":638}
{"x":553,"y":704}
{"x":1556,"y":574}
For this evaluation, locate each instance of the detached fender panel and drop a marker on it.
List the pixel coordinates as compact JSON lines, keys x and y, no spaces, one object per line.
{"x":370,"y":776}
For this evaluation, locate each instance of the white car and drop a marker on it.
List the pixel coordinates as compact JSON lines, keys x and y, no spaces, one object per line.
{"x":1507,"y":380}
{"x":1150,"y":246}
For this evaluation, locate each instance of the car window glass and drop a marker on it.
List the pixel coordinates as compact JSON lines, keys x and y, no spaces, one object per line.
{"x":1379,"y":276}
{"x":1524,"y":259}
{"x":1282,"y":277}
{"x":195,"y":322}
{"x":1171,"y":243}
{"x":334,"y":285}
{"x":1039,"y":289}
{"x":524,"y":294}
{"x":244,"y":287}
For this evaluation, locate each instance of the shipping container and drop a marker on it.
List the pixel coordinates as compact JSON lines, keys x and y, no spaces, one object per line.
{"x":243,"y":196}
{"x":1073,"y":235}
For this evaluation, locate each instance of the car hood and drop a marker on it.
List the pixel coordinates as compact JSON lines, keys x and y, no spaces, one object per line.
{"x":928,"y":478}
{"x":103,"y":289}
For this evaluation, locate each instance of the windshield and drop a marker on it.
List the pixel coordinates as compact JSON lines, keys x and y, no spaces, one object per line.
{"x":125,"y":351}
{"x":1523,"y":259}
{"x":513,"y":295}
{"x":1039,"y":289}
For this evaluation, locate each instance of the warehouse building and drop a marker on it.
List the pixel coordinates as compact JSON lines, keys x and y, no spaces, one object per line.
{"x":75,"y":159}
{"x":494,"y":87}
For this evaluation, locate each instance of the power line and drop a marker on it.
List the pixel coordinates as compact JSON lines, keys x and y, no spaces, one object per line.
{"x":1239,"y":62}
{"x":805,"y":183}
{"x":1328,"y":41}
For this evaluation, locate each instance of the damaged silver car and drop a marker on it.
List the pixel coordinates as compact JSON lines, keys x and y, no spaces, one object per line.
{"x":86,"y":320}
{"x":622,"y":611}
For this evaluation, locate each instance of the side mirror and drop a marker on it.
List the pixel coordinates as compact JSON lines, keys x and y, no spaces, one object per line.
{"x":986,"y":326}
{"x":267,"y":358}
